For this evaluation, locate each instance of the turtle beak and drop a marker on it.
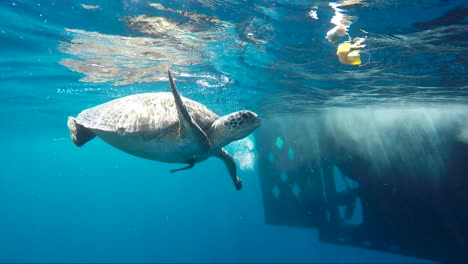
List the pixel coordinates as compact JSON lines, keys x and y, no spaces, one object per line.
{"x":250,"y":120}
{"x":255,"y":120}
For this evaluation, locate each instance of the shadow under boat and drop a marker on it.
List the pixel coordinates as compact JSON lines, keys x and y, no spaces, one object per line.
{"x":385,"y":179}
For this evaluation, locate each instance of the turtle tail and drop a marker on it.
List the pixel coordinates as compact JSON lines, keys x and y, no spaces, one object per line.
{"x":79,"y":134}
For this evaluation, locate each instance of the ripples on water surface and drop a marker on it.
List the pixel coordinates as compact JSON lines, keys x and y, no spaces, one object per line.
{"x":271,"y":56}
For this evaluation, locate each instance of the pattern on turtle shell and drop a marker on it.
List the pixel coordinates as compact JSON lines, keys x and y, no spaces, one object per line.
{"x":143,"y":113}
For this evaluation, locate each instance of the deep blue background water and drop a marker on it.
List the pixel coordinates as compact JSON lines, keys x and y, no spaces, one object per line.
{"x":59,"y":203}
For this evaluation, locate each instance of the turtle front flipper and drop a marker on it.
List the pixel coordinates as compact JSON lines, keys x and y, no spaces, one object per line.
{"x":189,"y":128}
{"x":231,"y":166}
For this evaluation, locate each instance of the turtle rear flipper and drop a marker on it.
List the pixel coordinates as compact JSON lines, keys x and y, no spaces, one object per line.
{"x":79,"y":134}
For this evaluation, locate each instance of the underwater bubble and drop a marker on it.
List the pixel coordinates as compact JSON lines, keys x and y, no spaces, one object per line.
{"x":243,"y":152}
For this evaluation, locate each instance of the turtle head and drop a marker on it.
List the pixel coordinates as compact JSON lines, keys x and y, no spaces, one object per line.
{"x":233,"y":127}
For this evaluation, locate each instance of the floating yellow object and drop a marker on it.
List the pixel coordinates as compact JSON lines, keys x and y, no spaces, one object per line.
{"x":349,"y":53}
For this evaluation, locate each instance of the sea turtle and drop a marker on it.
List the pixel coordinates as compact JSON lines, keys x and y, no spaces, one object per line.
{"x":164,"y":127}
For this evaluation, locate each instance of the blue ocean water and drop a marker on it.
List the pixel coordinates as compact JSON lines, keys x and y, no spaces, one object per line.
{"x":60,"y":203}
